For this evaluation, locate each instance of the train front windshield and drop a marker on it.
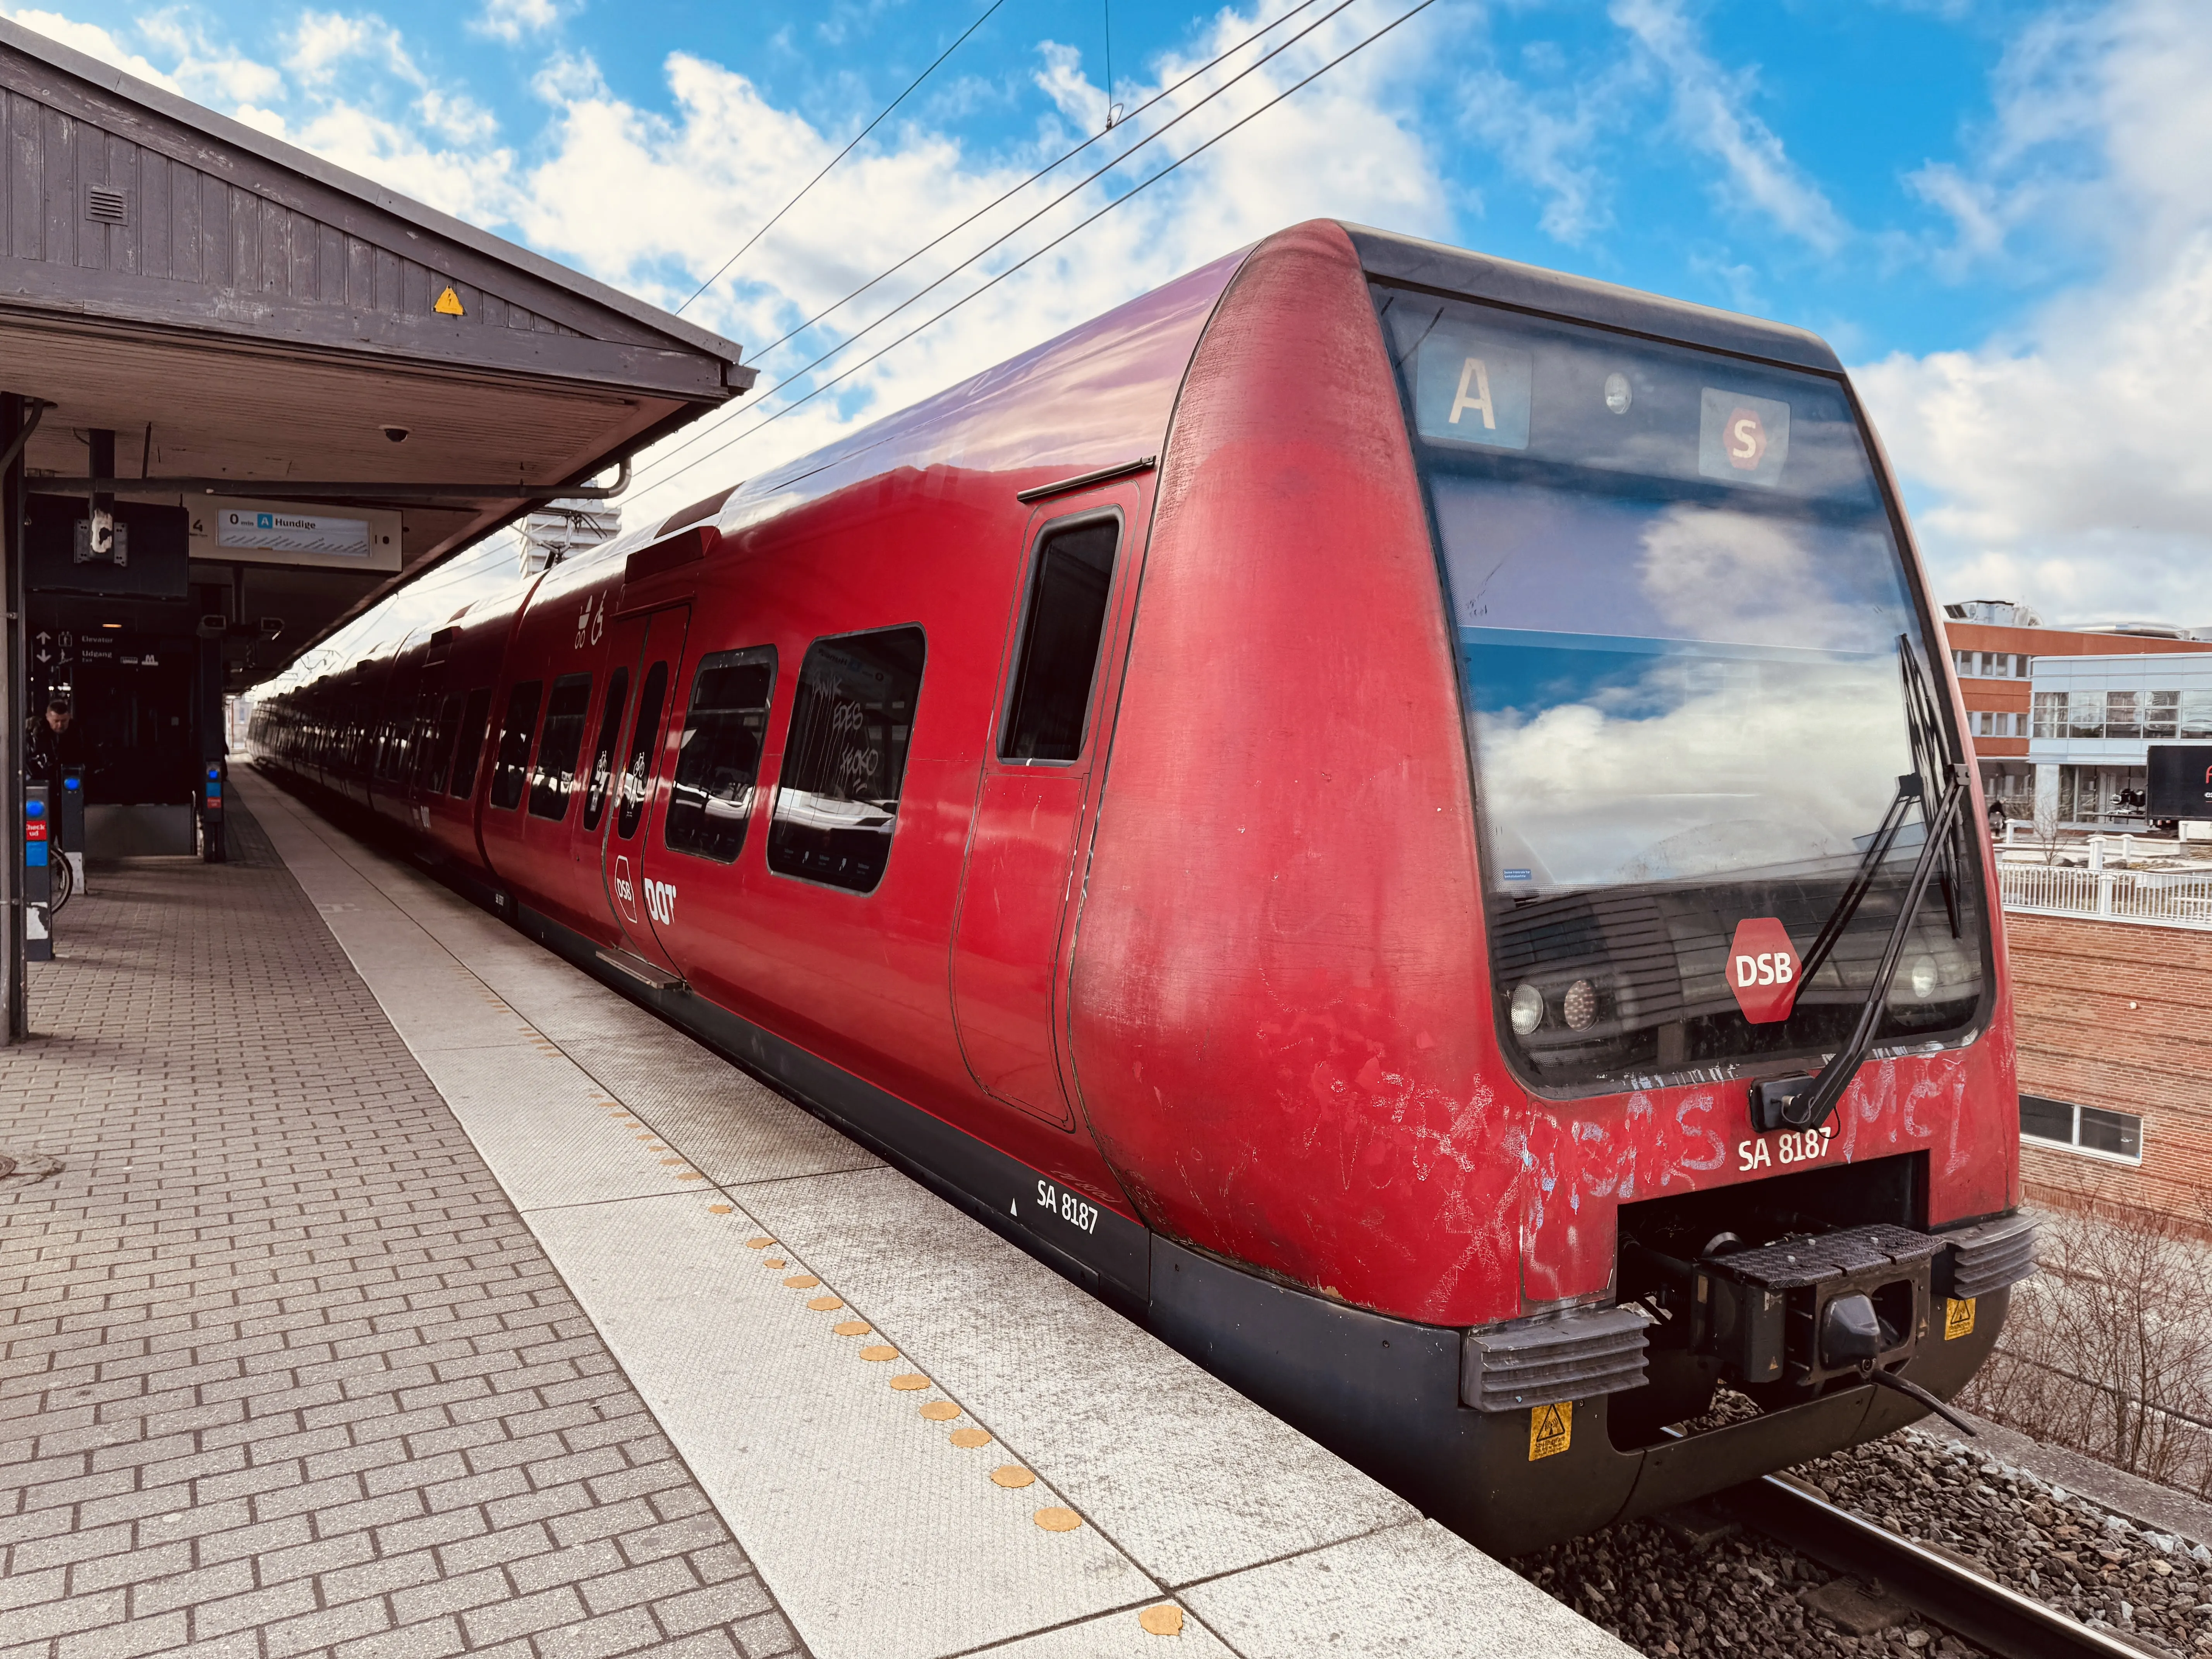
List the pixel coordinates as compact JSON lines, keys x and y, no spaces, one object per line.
{"x":1680,"y":611}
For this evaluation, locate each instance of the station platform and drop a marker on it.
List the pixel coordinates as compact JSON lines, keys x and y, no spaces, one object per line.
{"x":405,"y":1291}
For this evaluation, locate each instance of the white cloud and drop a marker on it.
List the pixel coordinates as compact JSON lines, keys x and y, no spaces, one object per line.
{"x":2070,"y":462}
{"x":510,"y":20}
{"x":1709,"y":114}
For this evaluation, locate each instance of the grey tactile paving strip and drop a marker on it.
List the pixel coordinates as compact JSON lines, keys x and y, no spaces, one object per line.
{"x":281,"y":1371}
{"x":818,"y":1336}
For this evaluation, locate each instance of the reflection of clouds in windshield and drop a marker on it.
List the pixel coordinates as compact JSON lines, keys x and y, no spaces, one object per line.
{"x":1718,"y":574}
{"x":1782,"y":768}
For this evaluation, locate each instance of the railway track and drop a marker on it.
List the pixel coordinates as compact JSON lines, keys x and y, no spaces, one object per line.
{"x":1969,"y":1605}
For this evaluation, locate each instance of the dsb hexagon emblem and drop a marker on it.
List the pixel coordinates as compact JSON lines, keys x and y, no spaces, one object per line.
{"x":1762,"y":969}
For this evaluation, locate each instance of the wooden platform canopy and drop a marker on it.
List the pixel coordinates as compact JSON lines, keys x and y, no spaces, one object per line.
{"x":237,"y":312}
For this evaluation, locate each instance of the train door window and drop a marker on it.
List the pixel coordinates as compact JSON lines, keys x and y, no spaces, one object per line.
{"x":837,"y":804}
{"x":566,"y":713}
{"x":511,"y":768}
{"x":650,"y":696}
{"x":711,"y":798}
{"x":438,"y":752}
{"x":1064,"y":621}
{"x":600,"y":782}
{"x":470,"y":747}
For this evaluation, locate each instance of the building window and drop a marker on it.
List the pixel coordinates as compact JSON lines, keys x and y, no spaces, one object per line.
{"x":2089,"y":1129}
{"x":2196,"y":713}
{"x":2050,"y":713}
{"x":2085,"y":713}
{"x":2161,"y":713}
{"x":2122,"y":715}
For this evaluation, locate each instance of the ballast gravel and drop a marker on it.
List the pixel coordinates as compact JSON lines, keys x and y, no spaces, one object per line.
{"x":1656,"y":1587}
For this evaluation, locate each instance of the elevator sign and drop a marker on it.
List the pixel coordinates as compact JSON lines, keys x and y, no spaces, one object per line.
{"x":1762,"y":969}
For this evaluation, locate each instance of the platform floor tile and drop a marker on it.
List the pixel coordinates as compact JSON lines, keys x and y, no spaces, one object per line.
{"x":281,"y":1370}
{"x":788,"y":1306}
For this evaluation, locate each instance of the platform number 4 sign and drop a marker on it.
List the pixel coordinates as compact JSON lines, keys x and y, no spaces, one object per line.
{"x":1551,"y":1429}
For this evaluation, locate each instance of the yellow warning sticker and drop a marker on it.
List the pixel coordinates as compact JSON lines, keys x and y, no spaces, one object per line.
{"x":1958,"y":1317}
{"x":1550,"y":1429}
{"x":449,"y":304}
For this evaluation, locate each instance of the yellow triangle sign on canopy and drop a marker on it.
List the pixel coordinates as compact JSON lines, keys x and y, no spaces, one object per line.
{"x":449,"y":304}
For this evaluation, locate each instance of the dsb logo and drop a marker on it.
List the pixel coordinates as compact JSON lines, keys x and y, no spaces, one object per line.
{"x":1762,"y":969}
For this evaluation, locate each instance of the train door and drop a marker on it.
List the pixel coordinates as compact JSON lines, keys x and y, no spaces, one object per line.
{"x":1030,"y":808}
{"x":651,"y":646}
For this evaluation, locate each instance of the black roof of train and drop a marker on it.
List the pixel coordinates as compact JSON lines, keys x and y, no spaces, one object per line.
{"x":1444,"y":269}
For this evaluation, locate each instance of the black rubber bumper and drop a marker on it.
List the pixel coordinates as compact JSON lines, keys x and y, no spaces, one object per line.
{"x":1384,"y":1394}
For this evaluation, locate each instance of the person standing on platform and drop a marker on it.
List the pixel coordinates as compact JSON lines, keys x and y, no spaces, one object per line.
{"x":52,"y":743}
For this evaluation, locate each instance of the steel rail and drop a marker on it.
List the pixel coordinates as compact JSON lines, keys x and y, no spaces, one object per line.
{"x":1963,"y":1601}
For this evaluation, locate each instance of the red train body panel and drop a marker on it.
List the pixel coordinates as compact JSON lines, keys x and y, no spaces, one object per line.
{"x":1185,"y":968}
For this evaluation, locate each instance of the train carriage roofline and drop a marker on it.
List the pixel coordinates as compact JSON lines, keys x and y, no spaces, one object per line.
{"x":1236,"y":1048}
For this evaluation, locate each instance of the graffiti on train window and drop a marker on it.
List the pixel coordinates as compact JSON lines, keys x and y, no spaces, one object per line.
{"x":836,"y":803}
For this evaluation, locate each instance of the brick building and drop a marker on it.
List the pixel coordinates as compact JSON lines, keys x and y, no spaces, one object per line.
{"x":2115,"y":1034}
{"x":1993,"y":643}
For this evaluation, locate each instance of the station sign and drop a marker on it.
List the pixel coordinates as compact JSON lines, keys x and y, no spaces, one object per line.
{"x":240,"y":531}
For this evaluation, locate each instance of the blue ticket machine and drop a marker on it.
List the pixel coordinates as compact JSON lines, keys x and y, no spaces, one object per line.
{"x":210,"y":812}
{"x":38,"y":875}
{"x":68,"y":822}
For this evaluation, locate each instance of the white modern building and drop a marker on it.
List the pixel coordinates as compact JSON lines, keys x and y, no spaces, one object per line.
{"x":2092,"y":723}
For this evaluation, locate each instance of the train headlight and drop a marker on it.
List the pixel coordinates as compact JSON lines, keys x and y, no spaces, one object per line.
{"x":1579,"y":1006}
{"x":1527,"y":1008}
{"x":1921,"y":978}
{"x":1618,"y":396}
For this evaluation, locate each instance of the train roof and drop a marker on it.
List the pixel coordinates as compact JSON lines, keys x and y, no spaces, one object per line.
{"x":1531,"y":288}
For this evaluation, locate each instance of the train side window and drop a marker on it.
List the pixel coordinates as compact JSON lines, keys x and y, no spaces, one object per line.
{"x":650,"y":696}
{"x":836,"y":803}
{"x":470,"y":749}
{"x":511,"y":768}
{"x":438,"y":753}
{"x":600,"y":782}
{"x":710,"y":801}
{"x":566,"y":713}
{"x":1065,"y":617}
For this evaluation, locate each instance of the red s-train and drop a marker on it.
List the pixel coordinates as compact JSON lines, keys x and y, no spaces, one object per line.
{"x":1400,"y":816}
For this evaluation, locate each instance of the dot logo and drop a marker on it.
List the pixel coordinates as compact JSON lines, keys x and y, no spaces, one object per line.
{"x":1762,"y":969}
{"x":1743,"y":440}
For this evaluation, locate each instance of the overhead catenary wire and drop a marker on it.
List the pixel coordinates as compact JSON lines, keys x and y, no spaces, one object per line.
{"x":841,"y":154}
{"x":1076,"y":189}
{"x":711,"y":428}
{"x":1144,"y":184}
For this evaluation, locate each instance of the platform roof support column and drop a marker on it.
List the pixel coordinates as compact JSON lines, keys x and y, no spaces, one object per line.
{"x":15,"y":688}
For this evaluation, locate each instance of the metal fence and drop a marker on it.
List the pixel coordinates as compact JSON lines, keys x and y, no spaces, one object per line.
{"x":2179,"y":899}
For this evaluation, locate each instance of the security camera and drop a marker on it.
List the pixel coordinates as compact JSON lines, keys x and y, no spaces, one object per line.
{"x":397,"y":434}
{"x":271,"y":627}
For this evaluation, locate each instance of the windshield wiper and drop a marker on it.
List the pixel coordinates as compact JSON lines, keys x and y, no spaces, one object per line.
{"x":1802,"y":1101}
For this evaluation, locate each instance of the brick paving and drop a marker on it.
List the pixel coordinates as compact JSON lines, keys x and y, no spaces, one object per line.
{"x":282,"y":1372}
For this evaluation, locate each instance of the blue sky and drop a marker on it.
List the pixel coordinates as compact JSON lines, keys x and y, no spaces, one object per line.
{"x":2000,"y":214}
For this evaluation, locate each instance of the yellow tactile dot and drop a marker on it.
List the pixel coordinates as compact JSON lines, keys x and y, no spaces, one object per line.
{"x":911,"y":1382}
{"x":1012,"y":1476}
{"x":758,"y":1244}
{"x":718,"y":1209}
{"x":851,"y":1327}
{"x":775,"y":1262}
{"x":878,"y":1351}
{"x":689,"y":1175}
{"x":969,"y":1439}
{"x":940,"y":1411}
{"x":665,"y":1160}
{"x":827,"y":1304}
{"x":1165,"y":1619}
{"x":801,"y":1282}
{"x":1057,"y":1519}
